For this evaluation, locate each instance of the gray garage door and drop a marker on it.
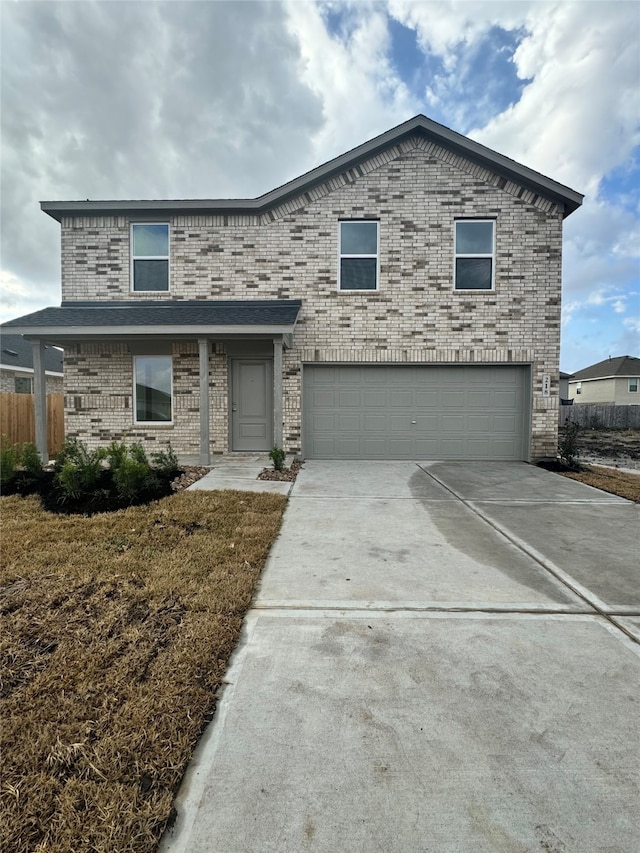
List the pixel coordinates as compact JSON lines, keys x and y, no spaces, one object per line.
{"x":415,"y":412}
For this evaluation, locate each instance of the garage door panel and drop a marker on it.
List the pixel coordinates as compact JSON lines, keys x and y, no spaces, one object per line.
{"x":453,"y":399}
{"x":479,"y":423}
{"x":426,"y":399}
{"x":348,"y":423}
{"x":400,"y":399}
{"x":375,"y":423}
{"x":415,"y":412}
{"x":324,"y":424}
{"x":453,"y":423}
{"x":349,"y":399}
{"x":375,"y":399}
{"x":324,"y":399}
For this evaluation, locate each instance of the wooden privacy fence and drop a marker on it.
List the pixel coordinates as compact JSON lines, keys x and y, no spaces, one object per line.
{"x":18,"y":422}
{"x":601,"y":416}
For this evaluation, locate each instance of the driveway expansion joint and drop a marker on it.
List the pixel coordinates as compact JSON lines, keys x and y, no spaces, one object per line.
{"x":576,"y":588}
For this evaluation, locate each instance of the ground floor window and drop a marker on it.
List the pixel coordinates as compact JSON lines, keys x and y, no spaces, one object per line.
{"x":22,"y":385}
{"x":152,"y":388}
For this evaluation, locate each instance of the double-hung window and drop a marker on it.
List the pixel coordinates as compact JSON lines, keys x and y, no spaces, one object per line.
{"x":152,"y":382}
{"x":149,"y":256}
{"x":359,"y":253}
{"x":474,"y":254}
{"x":633,"y":385}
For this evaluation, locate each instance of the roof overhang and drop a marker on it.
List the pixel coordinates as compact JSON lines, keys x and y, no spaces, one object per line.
{"x":74,"y":333}
{"x":568,"y":199}
{"x":166,"y":319}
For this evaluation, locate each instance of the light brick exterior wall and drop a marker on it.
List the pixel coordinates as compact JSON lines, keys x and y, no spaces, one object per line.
{"x":7,"y":381}
{"x":416,"y":190}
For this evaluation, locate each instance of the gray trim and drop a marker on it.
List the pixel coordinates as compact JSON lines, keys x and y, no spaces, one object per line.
{"x":40,"y":401}
{"x":277,"y":392}
{"x":568,"y":198}
{"x":203,"y":359}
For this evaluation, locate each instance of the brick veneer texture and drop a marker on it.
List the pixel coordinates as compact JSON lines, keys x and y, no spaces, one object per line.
{"x":416,"y":190}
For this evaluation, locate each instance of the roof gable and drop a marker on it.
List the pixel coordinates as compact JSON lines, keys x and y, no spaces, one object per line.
{"x":622,"y":365}
{"x":420,"y":127}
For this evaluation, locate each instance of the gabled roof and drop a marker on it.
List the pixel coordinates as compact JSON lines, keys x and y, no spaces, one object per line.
{"x":420,"y":125}
{"x":17,"y":352}
{"x":622,"y":365}
{"x":145,"y":317}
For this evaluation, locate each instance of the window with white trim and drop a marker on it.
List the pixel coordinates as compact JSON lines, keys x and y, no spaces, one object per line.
{"x":359,"y":253}
{"x":152,"y":389}
{"x":149,"y":257}
{"x":474,"y":254}
{"x":578,"y":387}
{"x":633,"y":385}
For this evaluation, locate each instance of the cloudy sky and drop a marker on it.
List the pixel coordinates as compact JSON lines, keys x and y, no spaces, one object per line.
{"x":118,"y":99}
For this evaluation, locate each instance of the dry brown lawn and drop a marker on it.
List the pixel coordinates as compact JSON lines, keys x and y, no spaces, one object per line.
{"x":116,"y":632}
{"x":609,"y":480}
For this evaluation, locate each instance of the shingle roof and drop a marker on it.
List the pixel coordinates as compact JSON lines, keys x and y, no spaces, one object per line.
{"x":419,"y":125}
{"x":166,"y":313}
{"x":17,"y":352}
{"x":622,"y":365}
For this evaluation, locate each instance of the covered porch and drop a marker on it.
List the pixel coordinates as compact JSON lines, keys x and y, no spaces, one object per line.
{"x":252,"y":334}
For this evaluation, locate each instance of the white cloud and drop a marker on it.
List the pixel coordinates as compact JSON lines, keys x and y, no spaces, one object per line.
{"x":350,"y":73}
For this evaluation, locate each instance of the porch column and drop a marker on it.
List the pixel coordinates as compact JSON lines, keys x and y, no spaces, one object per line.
{"x":277,"y":392}
{"x":203,"y":352}
{"x":40,"y":400}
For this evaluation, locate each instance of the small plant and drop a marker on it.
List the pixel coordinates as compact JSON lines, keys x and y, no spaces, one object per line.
{"x":132,"y":478}
{"x":78,"y":470}
{"x":8,"y":461}
{"x":166,"y":462}
{"x":30,"y":460}
{"x":568,"y":445}
{"x":277,"y":456}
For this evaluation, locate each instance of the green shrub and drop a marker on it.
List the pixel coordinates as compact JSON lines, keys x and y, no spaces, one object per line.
{"x":78,"y":470}
{"x":166,"y":462}
{"x":132,"y":478}
{"x":277,"y":456}
{"x":8,"y":461}
{"x":30,"y":460}
{"x":116,"y":453}
{"x":569,"y":444}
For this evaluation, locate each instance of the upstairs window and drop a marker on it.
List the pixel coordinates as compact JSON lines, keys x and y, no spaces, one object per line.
{"x":474,"y":254}
{"x":152,"y":388}
{"x":578,"y":387}
{"x":633,"y":385}
{"x":358,"y":255}
{"x":149,"y":257}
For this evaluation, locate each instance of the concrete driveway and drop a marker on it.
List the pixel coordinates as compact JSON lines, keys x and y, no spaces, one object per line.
{"x":440,"y":658}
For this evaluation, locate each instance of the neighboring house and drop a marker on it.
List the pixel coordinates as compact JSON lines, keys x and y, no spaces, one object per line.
{"x":563,"y":389}
{"x":614,"y":380}
{"x":401,"y":301}
{"x":16,"y":366}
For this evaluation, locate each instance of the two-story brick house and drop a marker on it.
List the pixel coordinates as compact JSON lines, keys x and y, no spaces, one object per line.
{"x":400,"y":301}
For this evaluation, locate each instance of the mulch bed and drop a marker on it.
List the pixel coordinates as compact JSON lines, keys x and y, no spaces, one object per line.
{"x":287,"y":475}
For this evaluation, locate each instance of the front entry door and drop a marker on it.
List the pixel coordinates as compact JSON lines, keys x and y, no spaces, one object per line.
{"x":251,"y":404}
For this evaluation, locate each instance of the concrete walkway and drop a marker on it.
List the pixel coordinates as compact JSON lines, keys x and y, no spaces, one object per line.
{"x":241,"y":472}
{"x":440,"y":658}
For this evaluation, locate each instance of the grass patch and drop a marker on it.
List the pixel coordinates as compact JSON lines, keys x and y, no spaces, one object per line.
{"x":609,"y":480}
{"x":116,"y":633}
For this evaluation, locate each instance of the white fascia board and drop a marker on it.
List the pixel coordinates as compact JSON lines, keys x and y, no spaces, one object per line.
{"x":70,"y":332}
{"x":14,"y":368}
